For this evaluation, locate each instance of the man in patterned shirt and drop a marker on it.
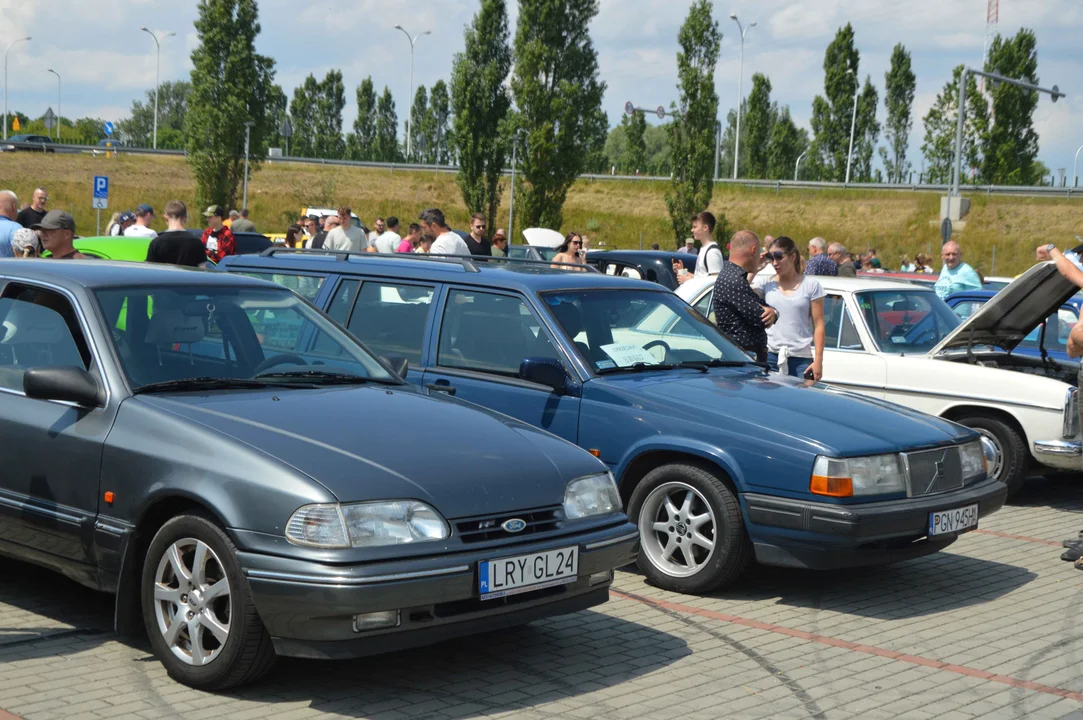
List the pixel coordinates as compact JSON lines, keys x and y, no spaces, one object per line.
{"x":818,"y":261}
{"x":739,"y":312}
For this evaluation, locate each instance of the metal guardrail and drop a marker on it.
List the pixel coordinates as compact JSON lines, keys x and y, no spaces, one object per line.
{"x":776,"y":185}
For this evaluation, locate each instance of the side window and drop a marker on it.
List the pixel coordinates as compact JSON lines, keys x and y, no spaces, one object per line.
{"x":343,"y":301}
{"x":840,"y":330}
{"x":490,"y":333}
{"x":391,"y":318}
{"x":966,"y":308}
{"x":39,"y":329}
{"x":703,"y":307}
{"x":307,"y":286}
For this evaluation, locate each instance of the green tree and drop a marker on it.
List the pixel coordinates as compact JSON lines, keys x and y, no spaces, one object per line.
{"x":317,"y":117}
{"x":636,"y":131}
{"x":784,"y":146}
{"x":899,"y":86}
{"x":138,"y":130}
{"x":866,"y":133}
{"x":760,"y":119}
{"x":231,"y":85}
{"x":277,"y":107}
{"x":481,"y":102}
{"x":596,"y":159}
{"x":386,"y":146}
{"x":831,"y":114}
{"x":940,"y":129}
{"x":419,"y":125}
{"x":558,"y":96}
{"x":692,"y":133}
{"x":439,"y":114}
{"x":726,"y":153}
{"x":361,"y":143}
{"x":1010,"y":148}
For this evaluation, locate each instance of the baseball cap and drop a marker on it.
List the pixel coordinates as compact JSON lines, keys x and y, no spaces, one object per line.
{"x":690,"y":241}
{"x":55,"y":220}
{"x":126,"y":216}
{"x":214,"y":211}
{"x":143,"y":209}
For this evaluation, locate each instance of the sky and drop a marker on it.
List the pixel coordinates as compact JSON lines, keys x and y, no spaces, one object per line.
{"x":105,"y":61}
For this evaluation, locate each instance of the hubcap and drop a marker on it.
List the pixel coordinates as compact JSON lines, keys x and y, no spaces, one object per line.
{"x":192,"y":601}
{"x":677,"y":529}
{"x":994,"y":454}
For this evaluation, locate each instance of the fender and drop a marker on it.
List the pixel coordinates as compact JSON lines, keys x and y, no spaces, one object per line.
{"x":671,"y":443}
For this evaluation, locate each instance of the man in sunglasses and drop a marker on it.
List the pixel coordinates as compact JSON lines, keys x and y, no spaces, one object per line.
{"x":739,"y":312}
{"x":476,"y":240}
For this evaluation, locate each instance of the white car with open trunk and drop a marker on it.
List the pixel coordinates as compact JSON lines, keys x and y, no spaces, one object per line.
{"x":900,"y":342}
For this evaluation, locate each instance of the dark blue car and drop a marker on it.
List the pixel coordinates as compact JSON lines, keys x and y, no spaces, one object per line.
{"x":1049,"y":339}
{"x":717,"y":462}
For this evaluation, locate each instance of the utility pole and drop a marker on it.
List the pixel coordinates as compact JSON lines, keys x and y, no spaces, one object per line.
{"x":511,"y":205}
{"x":247,"y":136}
{"x":59,"y":112}
{"x":10,"y":45}
{"x":157,"y":68}
{"x":410,"y":99}
{"x":853,"y":125}
{"x":740,"y":79}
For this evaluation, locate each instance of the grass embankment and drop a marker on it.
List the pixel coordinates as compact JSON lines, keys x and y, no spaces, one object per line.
{"x":614,"y":212}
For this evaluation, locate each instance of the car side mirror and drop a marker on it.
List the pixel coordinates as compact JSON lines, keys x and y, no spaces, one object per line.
{"x":398,"y":364}
{"x":544,"y":371}
{"x":67,"y":384}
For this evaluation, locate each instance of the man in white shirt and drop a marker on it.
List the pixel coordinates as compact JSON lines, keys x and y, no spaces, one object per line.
{"x":144,"y":215}
{"x":389,"y":241}
{"x":379,"y":227}
{"x":444,"y":242}
{"x":710,"y":258}
{"x":346,"y":236}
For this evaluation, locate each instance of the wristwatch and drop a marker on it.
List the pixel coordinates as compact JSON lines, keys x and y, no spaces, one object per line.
{"x":1050,"y":247}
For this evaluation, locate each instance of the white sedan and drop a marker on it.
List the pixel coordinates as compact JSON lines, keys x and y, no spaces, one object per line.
{"x":900,"y":342}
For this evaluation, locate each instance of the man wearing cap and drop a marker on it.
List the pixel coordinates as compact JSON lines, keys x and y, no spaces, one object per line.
{"x":144,"y":214}
{"x":689,"y":247}
{"x":124,"y":221}
{"x":57,"y":233}
{"x":500,"y":243}
{"x":217,"y":238}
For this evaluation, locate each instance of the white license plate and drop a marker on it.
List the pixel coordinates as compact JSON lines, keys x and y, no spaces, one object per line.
{"x":513,"y":575}
{"x":946,"y":522}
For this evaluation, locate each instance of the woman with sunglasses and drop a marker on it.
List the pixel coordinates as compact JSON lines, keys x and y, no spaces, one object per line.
{"x":571,"y":252}
{"x":795,"y":343}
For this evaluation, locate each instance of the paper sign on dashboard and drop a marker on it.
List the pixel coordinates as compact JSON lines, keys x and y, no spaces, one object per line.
{"x":626,"y":354}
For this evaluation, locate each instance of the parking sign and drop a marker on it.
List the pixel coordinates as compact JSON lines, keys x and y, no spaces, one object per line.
{"x":101,"y":192}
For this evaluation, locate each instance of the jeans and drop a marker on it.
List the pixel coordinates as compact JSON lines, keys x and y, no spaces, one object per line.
{"x":795,"y":366}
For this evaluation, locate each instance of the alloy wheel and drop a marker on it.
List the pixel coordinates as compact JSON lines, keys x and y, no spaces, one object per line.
{"x":677,"y":529}
{"x":192,"y":601}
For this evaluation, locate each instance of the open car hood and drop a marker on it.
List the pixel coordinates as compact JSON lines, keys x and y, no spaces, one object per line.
{"x":1014,"y":312}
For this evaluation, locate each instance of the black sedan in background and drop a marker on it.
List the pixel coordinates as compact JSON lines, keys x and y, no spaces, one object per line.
{"x":651,"y":265}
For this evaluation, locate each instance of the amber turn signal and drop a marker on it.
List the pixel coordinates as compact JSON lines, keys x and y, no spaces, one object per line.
{"x":832,"y":486}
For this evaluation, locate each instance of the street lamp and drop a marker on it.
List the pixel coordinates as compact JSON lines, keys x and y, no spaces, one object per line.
{"x":797,"y":164}
{"x":511,"y":206}
{"x":247,"y":136}
{"x":157,"y":67}
{"x":1075,"y":164}
{"x":740,"y":78}
{"x":11,"y":45}
{"x":59,"y":114}
{"x":853,"y":123}
{"x":410,"y":99}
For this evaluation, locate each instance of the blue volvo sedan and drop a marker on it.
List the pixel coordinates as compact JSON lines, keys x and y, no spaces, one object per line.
{"x":717,"y":462}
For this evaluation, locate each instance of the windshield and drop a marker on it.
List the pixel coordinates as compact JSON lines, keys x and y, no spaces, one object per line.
{"x":168,"y":334}
{"x":906,"y":321}
{"x":615,"y":329}
{"x":522,"y":252}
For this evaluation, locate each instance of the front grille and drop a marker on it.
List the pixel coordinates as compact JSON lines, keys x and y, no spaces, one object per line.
{"x":489,"y":527}
{"x":934,"y":471}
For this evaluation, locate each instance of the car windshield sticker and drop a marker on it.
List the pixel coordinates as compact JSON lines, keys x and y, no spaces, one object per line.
{"x":626,"y":355}
{"x":605,"y":364}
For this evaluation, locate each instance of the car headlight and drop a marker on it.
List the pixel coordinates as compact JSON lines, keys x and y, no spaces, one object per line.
{"x":591,"y":495}
{"x":371,"y":524}
{"x":972,"y":456}
{"x":851,"y":477}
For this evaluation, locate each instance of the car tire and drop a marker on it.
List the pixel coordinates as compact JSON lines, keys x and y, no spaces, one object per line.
{"x":233,"y":647}
{"x":673,"y":554}
{"x":1015,"y":462}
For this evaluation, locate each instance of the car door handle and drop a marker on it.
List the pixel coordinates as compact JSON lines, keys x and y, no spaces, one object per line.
{"x":443,"y":387}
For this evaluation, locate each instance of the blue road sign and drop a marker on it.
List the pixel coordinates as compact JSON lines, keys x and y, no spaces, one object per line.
{"x":101,"y":186}
{"x":108,"y":128}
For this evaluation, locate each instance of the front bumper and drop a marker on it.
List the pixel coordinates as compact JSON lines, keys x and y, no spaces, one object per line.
{"x":822,"y":536}
{"x":1060,"y":454}
{"x":309,"y":607}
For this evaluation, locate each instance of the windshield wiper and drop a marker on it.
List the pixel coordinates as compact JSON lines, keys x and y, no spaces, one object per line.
{"x":202,"y":383}
{"x":717,"y":363}
{"x":636,"y":367}
{"x":323,"y":377}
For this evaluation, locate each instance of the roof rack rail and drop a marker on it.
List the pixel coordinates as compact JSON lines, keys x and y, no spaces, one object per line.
{"x":467,"y":262}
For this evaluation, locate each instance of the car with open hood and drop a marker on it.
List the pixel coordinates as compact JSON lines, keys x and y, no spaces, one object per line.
{"x":1048,"y":340}
{"x":251,"y":482}
{"x":717,"y":462}
{"x":902,"y":343}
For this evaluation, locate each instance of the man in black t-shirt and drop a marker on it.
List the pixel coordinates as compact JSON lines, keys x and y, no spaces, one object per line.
{"x":476,"y":239}
{"x":36,"y":212}
{"x":177,"y":246}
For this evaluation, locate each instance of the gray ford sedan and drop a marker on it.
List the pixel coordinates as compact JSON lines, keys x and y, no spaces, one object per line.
{"x":251,"y":482}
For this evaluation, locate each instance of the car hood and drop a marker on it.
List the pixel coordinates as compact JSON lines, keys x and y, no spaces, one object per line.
{"x":1013,"y":312}
{"x":378,"y":442}
{"x":826,"y":420}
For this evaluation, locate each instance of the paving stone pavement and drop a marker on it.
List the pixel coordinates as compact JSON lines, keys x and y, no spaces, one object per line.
{"x":990,"y":628}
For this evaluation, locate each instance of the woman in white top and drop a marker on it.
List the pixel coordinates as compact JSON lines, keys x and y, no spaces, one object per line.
{"x":795,"y":343}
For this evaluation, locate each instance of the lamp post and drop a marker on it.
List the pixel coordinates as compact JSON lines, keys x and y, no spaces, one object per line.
{"x":797,"y":164}
{"x":511,"y":205}
{"x":853,"y":122}
{"x":59,"y":114}
{"x":157,"y":67}
{"x":1075,"y":164}
{"x":410,"y":99}
{"x":740,"y":79}
{"x":10,"y":45}
{"x":247,"y":136}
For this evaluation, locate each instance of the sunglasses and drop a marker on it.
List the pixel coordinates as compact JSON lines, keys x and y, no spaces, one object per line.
{"x":776,"y":255}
